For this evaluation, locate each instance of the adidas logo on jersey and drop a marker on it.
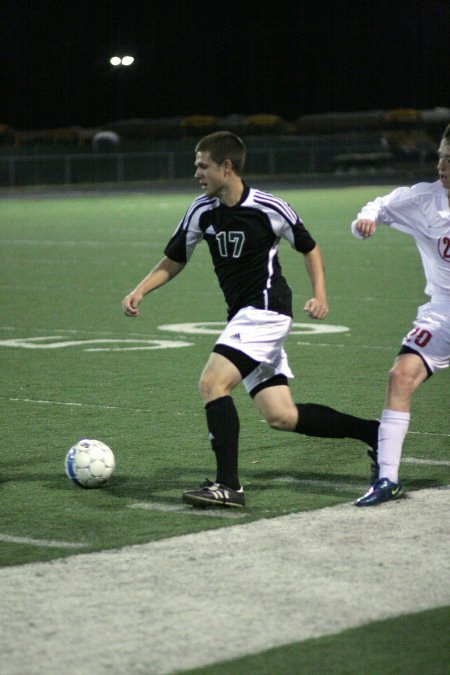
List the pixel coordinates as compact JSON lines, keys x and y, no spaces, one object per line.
{"x":236,"y":336}
{"x":210,"y":230}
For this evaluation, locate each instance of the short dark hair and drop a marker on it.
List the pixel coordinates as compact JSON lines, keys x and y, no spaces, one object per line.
{"x":446,"y":135}
{"x":223,"y":145}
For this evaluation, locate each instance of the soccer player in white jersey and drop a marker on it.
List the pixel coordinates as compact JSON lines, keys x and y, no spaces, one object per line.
{"x":242,"y":227}
{"x":423,"y":212}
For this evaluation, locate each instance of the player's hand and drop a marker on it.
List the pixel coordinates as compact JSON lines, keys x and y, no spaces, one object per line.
{"x":130,"y":304}
{"x":316,"y":309}
{"x":365,"y":227}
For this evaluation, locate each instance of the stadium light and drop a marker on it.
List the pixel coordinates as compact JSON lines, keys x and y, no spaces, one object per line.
{"x":121,"y":60}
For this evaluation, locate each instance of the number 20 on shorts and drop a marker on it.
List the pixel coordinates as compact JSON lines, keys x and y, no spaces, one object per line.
{"x":420,"y":336}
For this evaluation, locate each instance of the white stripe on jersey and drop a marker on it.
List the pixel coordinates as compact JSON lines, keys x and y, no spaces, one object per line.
{"x":275,"y":203}
{"x":201,"y":203}
{"x":272,"y":254}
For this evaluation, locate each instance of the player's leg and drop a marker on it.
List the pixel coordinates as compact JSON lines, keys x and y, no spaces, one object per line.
{"x":425,"y":350}
{"x":243,"y":344}
{"x":219,"y":377}
{"x":405,"y":376}
{"x":268,"y":386}
{"x":273,"y":400}
{"x":217,"y":381}
{"x":223,"y":371}
{"x":312,"y":419}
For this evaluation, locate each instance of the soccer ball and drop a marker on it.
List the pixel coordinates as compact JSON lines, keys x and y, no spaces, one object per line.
{"x":90,"y":463}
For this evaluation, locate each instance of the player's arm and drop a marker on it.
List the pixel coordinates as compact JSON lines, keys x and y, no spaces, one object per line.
{"x":317,"y":306}
{"x":163,"y":272}
{"x":398,"y":209}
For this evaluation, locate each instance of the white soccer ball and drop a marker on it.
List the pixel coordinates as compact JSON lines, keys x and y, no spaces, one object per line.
{"x":90,"y":463}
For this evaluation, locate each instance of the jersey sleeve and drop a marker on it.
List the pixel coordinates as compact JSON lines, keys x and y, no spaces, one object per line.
{"x":187,"y":235}
{"x":291,"y":228}
{"x":299,"y":237}
{"x":401,"y":209}
{"x":285,"y":222}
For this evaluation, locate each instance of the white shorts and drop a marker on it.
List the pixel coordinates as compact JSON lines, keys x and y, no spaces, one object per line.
{"x":260,"y":334}
{"x":430,"y":336}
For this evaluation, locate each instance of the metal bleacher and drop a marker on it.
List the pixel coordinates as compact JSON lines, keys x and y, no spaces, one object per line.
{"x":334,"y":144}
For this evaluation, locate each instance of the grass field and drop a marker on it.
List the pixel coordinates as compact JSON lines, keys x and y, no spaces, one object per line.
{"x":73,"y":366}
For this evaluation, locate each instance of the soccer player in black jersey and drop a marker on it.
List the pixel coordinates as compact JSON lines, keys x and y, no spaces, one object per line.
{"x":242,"y":227}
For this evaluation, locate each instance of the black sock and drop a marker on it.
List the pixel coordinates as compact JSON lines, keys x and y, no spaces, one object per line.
{"x":223,"y":425}
{"x":320,"y":420}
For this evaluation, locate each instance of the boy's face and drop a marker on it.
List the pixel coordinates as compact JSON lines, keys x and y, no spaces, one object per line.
{"x":444,"y":164}
{"x":210,"y":175}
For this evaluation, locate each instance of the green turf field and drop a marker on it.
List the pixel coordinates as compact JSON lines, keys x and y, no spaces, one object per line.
{"x":403,"y":646}
{"x":73,"y":366}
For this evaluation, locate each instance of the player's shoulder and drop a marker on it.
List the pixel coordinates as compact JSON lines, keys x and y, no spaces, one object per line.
{"x":415,"y":193}
{"x":200,"y":204}
{"x":427,"y":188}
{"x":430,"y":197}
{"x":268,"y":202}
{"x":265,"y":197}
{"x":202,"y":201}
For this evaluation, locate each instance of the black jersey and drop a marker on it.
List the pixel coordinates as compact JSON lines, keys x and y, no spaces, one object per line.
{"x":243,"y":242}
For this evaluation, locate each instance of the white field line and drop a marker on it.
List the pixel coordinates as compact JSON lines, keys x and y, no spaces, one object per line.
{"x":76,"y":404}
{"x":81,"y":242}
{"x":46,"y":543}
{"x":167,"y":603}
{"x":212,"y":513}
{"x":144,"y":410}
{"x":333,"y":485}
{"x":303,"y":343}
{"x":188,"y":511}
{"x":355,"y":486}
{"x":145,"y":506}
{"x":75,"y":331}
{"x":342,"y":345}
{"x":430,"y":462}
{"x":429,"y":433}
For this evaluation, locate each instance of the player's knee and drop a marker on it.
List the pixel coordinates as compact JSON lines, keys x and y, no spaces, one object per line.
{"x":204,"y":386}
{"x":210,"y":388}
{"x":402,"y":378}
{"x":281,"y":420}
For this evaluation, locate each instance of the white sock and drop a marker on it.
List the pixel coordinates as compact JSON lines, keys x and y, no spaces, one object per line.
{"x":391,"y":434}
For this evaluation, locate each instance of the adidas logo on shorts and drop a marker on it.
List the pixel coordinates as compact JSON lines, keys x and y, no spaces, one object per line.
{"x":236,"y":336}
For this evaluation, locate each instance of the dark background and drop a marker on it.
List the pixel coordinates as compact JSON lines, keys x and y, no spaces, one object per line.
{"x":199,"y":57}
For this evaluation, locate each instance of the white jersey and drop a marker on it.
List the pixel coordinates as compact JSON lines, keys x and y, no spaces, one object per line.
{"x":423,"y":212}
